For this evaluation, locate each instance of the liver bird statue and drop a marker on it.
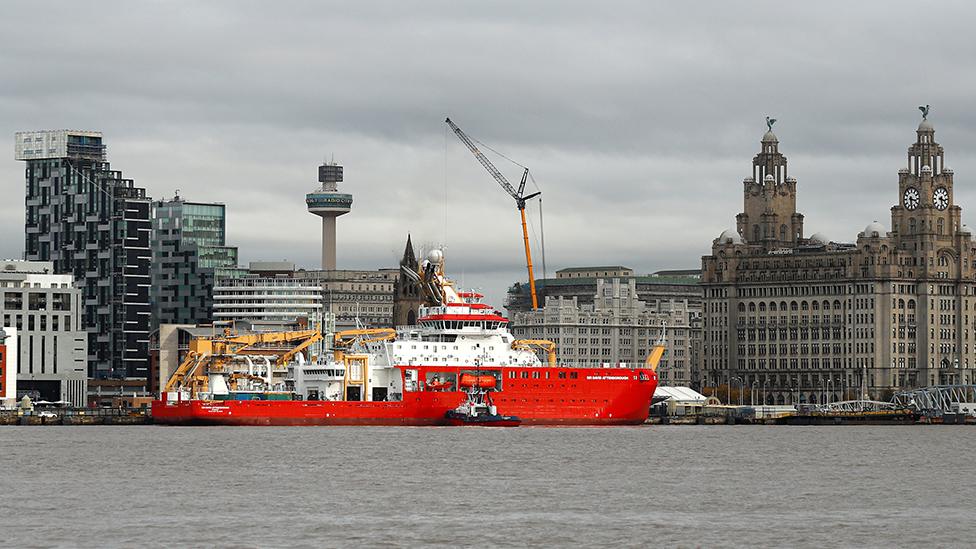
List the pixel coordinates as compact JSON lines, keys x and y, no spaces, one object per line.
{"x":925,"y":111}
{"x":770,"y":122}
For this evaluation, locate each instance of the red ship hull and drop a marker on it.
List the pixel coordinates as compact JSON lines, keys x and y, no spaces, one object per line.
{"x":537,"y":396}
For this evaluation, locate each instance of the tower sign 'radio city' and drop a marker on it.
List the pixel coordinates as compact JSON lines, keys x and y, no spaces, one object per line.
{"x":329,"y":204}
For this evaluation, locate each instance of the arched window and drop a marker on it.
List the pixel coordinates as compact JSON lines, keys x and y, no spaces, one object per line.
{"x":793,"y":305}
{"x":742,"y":307}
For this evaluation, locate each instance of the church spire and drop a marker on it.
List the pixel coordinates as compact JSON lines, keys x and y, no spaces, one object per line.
{"x":409,"y":258}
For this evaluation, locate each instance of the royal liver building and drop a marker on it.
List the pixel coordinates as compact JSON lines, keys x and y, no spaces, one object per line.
{"x":803,"y":318}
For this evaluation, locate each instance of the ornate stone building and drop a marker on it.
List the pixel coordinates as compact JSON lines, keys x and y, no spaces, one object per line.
{"x":808,"y":320}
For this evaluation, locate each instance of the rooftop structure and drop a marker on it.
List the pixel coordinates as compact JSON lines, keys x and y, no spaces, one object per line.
{"x":328,"y":203}
{"x":49,"y":144}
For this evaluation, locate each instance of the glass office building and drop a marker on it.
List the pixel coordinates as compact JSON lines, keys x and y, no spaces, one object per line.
{"x":189,"y":251}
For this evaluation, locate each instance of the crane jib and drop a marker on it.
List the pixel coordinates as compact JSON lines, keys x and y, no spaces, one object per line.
{"x":516,"y":194}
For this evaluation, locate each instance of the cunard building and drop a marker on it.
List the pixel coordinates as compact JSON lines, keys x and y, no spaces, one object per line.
{"x":806,"y":319}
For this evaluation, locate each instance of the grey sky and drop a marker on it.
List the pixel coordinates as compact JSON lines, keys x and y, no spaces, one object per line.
{"x":638,"y":119}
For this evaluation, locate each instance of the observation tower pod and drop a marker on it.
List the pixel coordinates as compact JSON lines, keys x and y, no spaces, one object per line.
{"x":328,"y":203}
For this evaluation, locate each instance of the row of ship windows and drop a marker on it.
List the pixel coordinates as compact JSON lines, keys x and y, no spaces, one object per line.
{"x":538,"y":375}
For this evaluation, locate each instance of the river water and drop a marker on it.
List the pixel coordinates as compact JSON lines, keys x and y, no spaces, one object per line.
{"x":675,"y":486}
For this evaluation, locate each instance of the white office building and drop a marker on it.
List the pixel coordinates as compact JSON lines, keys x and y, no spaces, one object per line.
{"x":52,"y":346}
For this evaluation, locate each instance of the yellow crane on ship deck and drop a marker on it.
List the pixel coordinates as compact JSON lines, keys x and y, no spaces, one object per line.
{"x":218,"y":351}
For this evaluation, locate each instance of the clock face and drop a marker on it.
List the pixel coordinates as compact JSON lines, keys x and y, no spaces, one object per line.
{"x":912,"y":198}
{"x":941,"y":198}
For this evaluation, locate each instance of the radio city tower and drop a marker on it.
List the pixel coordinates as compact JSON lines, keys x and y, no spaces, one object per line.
{"x":328,"y":203}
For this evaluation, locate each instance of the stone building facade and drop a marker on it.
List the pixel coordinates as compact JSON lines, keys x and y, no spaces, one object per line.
{"x":809,"y":320}
{"x":616,"y":327}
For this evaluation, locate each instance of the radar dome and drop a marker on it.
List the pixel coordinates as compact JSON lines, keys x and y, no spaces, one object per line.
{"x":435,"y":256}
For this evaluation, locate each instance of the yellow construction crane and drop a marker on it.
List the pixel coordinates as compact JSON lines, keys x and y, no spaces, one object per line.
{"x":518,"y":195}
{"x":533,"y":344}
{"x":347,"y":338}
{"x":218,"y":351}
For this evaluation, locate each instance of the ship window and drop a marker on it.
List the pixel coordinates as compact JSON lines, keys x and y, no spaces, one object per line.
{"x":535,"y":375}
{"x":547,"y":375}
{"x":525,"y":375}
{"x":512,"y":375}
{"x":562,"y":375}
{"x":573,"y":375}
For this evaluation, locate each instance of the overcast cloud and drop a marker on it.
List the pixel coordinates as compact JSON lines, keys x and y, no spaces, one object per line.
{"x":639,"y":120}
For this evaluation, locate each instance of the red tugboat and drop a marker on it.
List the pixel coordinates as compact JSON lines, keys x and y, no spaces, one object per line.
{"x":461,"y":354}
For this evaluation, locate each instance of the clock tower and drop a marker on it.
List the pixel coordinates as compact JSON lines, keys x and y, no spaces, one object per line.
{"x":926,"y":221}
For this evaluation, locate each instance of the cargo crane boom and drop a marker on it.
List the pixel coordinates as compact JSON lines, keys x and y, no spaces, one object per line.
{"x":518,"y":195}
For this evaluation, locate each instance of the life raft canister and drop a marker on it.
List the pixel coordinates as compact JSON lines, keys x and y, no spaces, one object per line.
{"x":484,"y":381}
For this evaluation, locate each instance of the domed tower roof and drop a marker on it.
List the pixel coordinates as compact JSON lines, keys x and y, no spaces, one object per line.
{"x":965,"y":230}
{"x":770,"y":137}
{"x":819,"y":238}
{"x":874,"y":230}
{"x":730,"y":236}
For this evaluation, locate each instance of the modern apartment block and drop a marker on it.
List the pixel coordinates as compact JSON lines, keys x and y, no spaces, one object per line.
{"x":188,"y":253}
{"x":92,"y":224}
{"x":616,"y":327}
{"x":51,"y":344}
{"x":356,"y":298}
{"x":268,"y":292}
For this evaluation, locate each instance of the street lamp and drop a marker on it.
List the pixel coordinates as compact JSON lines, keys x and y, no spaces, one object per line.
{"x":740,"y":389}
{"x":830,"y":389}
{"x":752,"y":393}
